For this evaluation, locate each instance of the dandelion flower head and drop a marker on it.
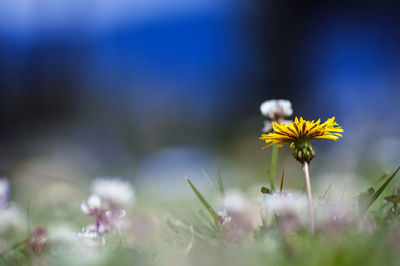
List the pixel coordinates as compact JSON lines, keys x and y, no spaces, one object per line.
{"x":299,"y":133}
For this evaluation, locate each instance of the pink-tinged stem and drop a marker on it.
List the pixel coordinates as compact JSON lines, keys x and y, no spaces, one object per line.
{"x":310,"y":207}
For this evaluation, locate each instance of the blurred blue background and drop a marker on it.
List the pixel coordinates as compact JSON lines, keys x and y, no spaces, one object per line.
{"x":140,"y":88}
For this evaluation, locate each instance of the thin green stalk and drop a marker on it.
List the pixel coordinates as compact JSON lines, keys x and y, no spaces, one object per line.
{"x":15,"y":246}
{"x":220,"y":183}
{"x":211,"y":180}
{"x":274,"y":162}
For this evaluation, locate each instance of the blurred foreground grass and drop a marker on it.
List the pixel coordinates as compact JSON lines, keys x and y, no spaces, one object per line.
{"x":182,"y":232}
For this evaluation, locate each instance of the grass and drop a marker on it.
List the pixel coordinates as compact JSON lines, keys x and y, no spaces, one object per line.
{"x":194,"y":235}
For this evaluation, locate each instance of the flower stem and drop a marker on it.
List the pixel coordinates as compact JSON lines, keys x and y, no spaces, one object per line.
{"x":310,"y":207}
{"x":274,"y":162}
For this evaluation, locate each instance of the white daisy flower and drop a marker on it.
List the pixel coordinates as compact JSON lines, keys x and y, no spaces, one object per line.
{"x":282,"y":203}
{"x":288,"y":209}
{"x":275,"y":109}
{"x":93,"y":206}
{"x":114,"y":190}
{"x":234,"y":201}
{"x":239,"y":212}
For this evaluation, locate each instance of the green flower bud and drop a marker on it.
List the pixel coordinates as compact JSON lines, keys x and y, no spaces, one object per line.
{"x":303,"y":151}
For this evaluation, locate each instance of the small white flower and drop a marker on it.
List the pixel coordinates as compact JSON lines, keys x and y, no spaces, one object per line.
{"x":275,"y":109}
{"x":4,"y":190}
{"x":234,"y":201}
{"x":282,"y":203}
{"x":116,"y":214}
{"x":239,"y":211}
{"x":99,"y":228}
{"x":335,"y":214}
{"x":90,"y":237}
{"x":117,"y":191}
{"x":93,"y":205}
{"x":224,"y":217}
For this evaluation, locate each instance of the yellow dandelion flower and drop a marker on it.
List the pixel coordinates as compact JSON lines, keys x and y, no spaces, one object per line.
{"x":299,"y":133}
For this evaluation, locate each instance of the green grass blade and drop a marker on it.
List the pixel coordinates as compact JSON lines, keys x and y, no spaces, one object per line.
{"x":28,"y":220}
{"x":381,"y":178}
{"x":375,"y":196}
{"x":204,"y":202}
{"x":13,"y":247}
{"x":283,"y":176}
{"x":327,"y":190}
{"x":186,"y":228}
{"x":220,"y":183}
{"x":205,"y":222}
{"x":211,"y":180}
